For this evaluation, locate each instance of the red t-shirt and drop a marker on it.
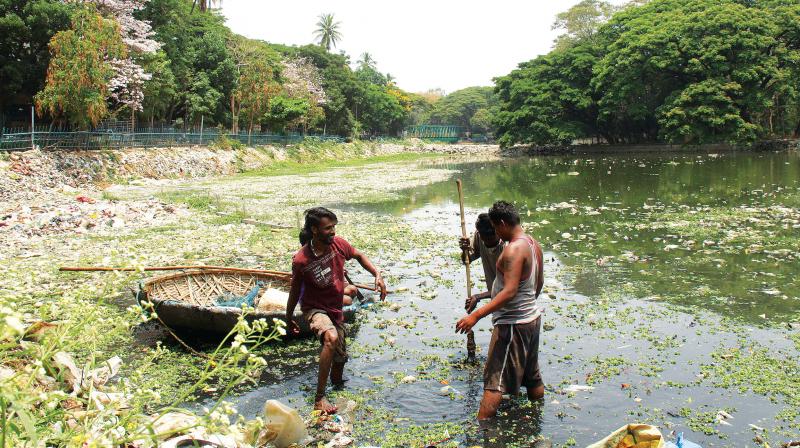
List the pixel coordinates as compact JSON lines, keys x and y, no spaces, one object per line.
{"x":323,"y":277}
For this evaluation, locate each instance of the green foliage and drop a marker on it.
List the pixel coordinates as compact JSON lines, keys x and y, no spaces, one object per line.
{"x":26,"y":27}
{"x":679,"y":71}
{"x":459,"y":107}
{"x":382,"y":111}
{"x":79,"y":70}
{"x":257,"y":87}
{"x":548,"y":100}
{"x":160,"y":90}
{"x":284,"y":111}
{"x":196,"y":45}
{"x":581,"y":22}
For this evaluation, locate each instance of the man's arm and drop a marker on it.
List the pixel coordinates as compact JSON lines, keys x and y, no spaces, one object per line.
{"x":511,"y":264}
{"x":291,"y":303}
{"x":540,"y":269}
{"x":366,"y":264}
{"x":469,"y":248}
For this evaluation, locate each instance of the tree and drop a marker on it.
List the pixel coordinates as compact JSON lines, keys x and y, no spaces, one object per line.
{"x":200,"y":60}
{"x":367,"y":60}
{"x":203,"y":5}
{"x":257,"y":86}
{"x":285,"y":112}
{"x":327,"y":31}
{"x":79,"y":72}
{"x":670,"y":54}
{"x":481,"y":120}
{"x":682,"y":71}
{"x":26,"y":27}
{"x":458,"y":107}
{"x":581,"y":22}
{"x":548,"y":100}
{"x":160,"y":89}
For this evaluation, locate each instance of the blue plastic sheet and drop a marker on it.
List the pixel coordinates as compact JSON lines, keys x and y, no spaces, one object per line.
{"x":249,"y":299}
{"x":680,"y":442}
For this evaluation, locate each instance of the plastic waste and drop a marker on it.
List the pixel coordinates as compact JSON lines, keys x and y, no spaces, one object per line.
{"x":447,"y":390}
{"x":634,"y":435}
{"x":233,"y":301}
{"x":680,"y":442}
{"x":578,"y":388}
{"x":285,"y":423}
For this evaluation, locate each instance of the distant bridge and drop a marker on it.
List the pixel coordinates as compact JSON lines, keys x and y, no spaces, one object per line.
{"x":440,"y":133}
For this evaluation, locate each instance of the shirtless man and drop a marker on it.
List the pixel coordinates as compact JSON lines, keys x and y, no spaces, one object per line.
{"x":513,"y":357}
{"x":319,"y":268}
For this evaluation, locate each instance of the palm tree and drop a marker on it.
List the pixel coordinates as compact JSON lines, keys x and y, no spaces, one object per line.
{"x":367,"y":60}
{"x":204,"y":4}
{"x":327,"y":31}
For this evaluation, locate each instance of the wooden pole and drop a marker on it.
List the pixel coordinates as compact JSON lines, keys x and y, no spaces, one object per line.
{"x":200,"y":267}
{"x":170,"y":268}
{"x":470,"y":334}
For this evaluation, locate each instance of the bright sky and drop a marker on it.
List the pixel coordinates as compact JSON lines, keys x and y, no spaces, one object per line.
{"x":448,"y":44}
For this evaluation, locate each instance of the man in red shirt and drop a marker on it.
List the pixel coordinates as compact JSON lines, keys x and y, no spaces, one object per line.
{"x":319,"y":266}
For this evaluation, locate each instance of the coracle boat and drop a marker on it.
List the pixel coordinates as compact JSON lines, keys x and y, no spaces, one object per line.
{"x":209,"y":300}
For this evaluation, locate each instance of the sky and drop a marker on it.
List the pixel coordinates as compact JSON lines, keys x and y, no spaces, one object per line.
{"x":445,"y":44}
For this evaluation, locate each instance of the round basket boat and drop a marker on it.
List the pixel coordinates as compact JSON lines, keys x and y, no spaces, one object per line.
{"x":190,"y":299}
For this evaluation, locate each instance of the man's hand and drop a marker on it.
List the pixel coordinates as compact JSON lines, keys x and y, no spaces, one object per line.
{"x":471,"y":303}
{"x":464,"y":244}
{"x":466,"y":323}
{"x":380,"y":286}
{"x":291,"y":327}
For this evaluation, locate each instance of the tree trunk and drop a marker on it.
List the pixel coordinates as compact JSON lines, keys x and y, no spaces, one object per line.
{"x":233,"y":114}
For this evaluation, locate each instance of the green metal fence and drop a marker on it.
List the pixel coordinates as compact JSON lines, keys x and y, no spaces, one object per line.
{"x":46,"y":139}
{"x":440,"y":133}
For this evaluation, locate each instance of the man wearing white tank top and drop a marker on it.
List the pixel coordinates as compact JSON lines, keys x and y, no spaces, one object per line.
{"x":513,"y":357}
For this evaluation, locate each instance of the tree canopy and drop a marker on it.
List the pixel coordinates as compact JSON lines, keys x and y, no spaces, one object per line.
{"x":678,"y":71}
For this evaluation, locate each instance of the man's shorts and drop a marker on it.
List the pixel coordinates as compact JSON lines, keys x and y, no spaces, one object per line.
{"x":513,"y":358}
{"x":320,"y":322}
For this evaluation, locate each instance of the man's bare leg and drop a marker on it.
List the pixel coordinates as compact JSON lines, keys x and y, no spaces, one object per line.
{"x":535,"y":393}
{"x":329,"y":341}
{"x":489,"y":404}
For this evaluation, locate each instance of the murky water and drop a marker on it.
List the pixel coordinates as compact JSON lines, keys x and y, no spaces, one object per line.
{"x":656,"y":264}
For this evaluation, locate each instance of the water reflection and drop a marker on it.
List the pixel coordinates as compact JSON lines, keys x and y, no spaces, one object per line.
{"x":685,"y":228}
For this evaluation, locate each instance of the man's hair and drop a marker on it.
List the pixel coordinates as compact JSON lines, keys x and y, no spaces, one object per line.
{"x":503,"y":211}
{"x":314,"y":217}
{"x":305,"y":237}
{"x":484,"y":225}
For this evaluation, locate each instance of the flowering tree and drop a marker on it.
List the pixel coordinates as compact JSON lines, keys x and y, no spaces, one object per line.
{"x":302,"y":80}
{"x":303,"y":95}
{"x":79,"y":73}
{"x":126,"y":88}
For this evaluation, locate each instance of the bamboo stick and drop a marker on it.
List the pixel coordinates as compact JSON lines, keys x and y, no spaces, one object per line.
{"x":470,"y":334}
{"x":171,"y":268}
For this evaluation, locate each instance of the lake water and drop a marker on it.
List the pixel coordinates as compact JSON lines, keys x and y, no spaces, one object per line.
{"x":670,"y":283}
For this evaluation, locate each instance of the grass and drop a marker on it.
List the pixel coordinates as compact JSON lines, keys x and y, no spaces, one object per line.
{"x":292,"y":167}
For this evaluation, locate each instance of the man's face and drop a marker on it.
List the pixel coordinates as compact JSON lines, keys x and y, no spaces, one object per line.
{"x":503,"y":230}
{"x":325,"y":231}
{"x":490,"y":240}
